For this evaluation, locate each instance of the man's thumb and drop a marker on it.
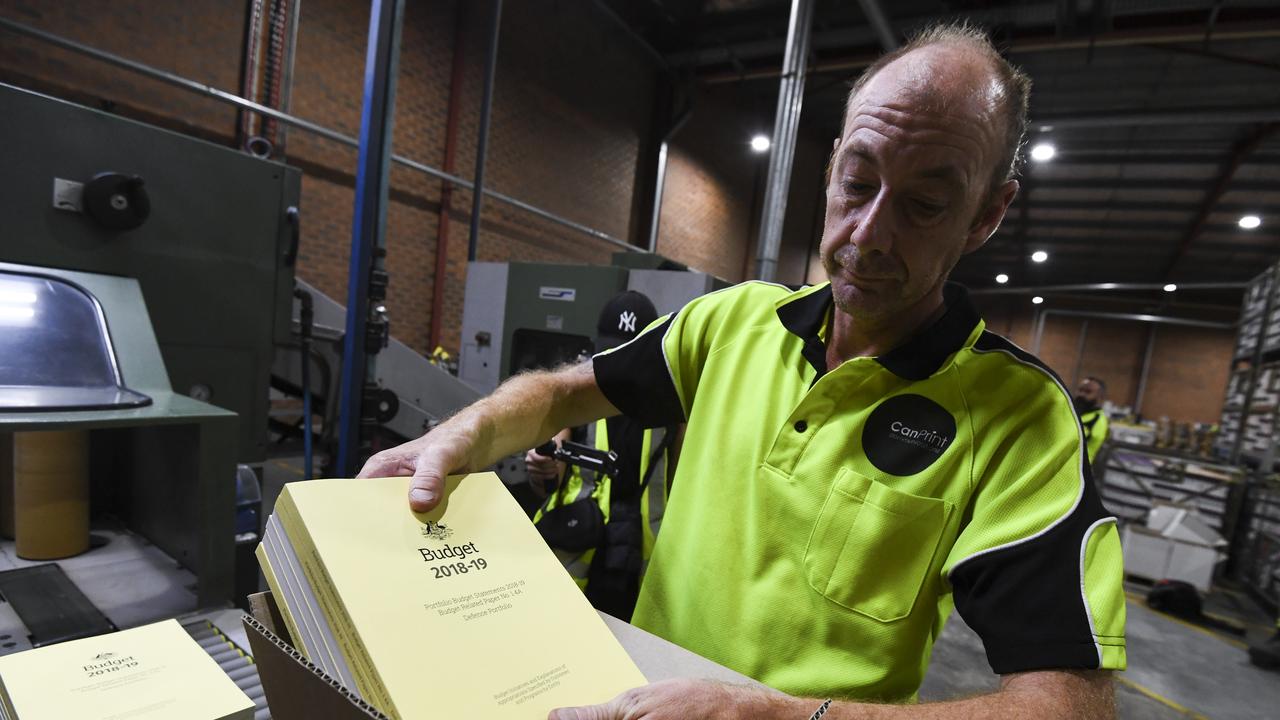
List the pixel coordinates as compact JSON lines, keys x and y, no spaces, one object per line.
{"x":592,"y":712}
{"x":425,"y":488}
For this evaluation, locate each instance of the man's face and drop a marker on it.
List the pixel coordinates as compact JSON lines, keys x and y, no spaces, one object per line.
{"x":909,"y":191}
{"x":1090,"y":392}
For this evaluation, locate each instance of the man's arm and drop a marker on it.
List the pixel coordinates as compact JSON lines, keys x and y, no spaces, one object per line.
{"x":1046,"y":694}
{"x":523,"y":412}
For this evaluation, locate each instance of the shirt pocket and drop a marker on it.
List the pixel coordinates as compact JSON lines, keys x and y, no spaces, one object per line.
{"x":872,"y":546}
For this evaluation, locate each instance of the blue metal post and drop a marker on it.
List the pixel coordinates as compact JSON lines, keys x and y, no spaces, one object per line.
{"x":369,"y":225}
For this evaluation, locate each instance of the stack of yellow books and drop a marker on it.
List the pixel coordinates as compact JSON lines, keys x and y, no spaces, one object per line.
{"x":154,"y":672}
{"x":460,"y":612}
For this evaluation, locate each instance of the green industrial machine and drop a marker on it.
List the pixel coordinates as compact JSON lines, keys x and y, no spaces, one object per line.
{"x":77,"y":352}
{"x":518,"y":316}
{"x":209,"y":233}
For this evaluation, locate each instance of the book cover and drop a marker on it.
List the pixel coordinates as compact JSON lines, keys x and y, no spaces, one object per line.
{"x":460,"y":612}
{"x":153,"y":672}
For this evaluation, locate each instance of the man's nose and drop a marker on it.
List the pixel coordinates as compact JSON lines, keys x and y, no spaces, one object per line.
{"x":874,"y":231}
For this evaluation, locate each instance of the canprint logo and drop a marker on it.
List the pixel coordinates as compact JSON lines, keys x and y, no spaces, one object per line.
{"x":627,"y":321}
{"x":436,"y":531}
{"x":104,"y":656}
{"x":907,"y":433}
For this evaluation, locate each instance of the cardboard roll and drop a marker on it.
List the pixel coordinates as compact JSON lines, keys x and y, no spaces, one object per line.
{"x":51,"y":493}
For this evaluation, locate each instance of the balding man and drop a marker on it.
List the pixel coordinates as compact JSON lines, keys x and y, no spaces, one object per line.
{"x":861,"y":456}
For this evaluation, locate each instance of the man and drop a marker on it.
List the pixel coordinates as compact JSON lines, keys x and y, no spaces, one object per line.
{"x":859,"y":455}
{"x":1088,"y":401}
{"x":631,"y":501}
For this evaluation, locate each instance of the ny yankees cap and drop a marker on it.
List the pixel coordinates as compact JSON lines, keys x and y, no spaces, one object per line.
{"x":623,"y":318}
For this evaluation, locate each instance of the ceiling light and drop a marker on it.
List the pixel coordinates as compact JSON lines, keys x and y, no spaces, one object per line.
{"x":760,"y":144}
{"x":1037,"y":300}
{"x":1002,"y":278}
{"x":1039,"y":256}
{"x":1249,"y":222}
{"x":1043,"y":151}
{"x":1170,"y":287}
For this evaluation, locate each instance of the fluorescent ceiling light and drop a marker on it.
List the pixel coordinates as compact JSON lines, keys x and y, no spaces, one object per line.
{"x":1037,"y":300}
{"x":1002,"y":278}
{"x":760,"y":143}
{"x":1039,"y":256}
{"x":1249,"y":222}
{"x":1170,"y":287}
{"x":1043,"y":152}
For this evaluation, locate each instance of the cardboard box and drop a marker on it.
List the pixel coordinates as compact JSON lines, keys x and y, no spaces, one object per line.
{"x":1175,"y":544}
{"x":298,"y":690}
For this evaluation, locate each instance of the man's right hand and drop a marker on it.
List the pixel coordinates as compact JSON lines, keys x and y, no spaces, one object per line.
{"x":428,"y":460}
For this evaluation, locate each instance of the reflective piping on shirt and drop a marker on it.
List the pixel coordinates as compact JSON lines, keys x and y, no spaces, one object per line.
{"x":1084,"y":597}
{"x":1083,"y":455}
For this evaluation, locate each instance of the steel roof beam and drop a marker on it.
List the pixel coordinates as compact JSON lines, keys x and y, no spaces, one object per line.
{"x":1245,"y":147}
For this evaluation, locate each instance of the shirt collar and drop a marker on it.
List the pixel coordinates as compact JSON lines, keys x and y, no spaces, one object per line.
{"x":804,"y":313}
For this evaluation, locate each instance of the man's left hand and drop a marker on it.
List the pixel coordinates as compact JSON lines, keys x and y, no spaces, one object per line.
{"x":679,"y":700}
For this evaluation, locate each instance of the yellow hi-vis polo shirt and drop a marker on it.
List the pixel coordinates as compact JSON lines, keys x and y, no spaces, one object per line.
{"x":821,"y":524}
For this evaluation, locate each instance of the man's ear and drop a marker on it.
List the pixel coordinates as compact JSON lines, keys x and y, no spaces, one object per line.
{"x":990,"y":215}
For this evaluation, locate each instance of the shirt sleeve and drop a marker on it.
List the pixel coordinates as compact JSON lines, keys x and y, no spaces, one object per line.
{"x":654,"y":378}
{"x":1037,"y":570}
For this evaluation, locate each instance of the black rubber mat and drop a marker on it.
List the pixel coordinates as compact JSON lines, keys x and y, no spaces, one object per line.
{"x":51,"y":606}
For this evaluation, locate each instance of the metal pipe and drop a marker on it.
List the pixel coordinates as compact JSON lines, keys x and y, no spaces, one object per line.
{"x":1038,"y":331}
{"x":1140,"y":317}
{"x":785,"y":125}
{"x":880,"y":24}
{"x":1146,"y":371}
{"x":295,"y":121}
{"x":286,"y":83}
{"x":1084,"y":333}
{"x":1088,"y":287}
{"x":626,"y":28}
{"x":659,"y":185}
{"x":456,"y":77}
{"x":482,"y":141}
{"x":366,"y":329}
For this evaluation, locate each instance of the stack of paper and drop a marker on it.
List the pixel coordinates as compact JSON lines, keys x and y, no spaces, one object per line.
{"x":460,"y":612}
{"x":154,"y":672}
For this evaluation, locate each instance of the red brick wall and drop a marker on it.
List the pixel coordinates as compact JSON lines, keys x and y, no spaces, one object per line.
{"x":572,"y":101}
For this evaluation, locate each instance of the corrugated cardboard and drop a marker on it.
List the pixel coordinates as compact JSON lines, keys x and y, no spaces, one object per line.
{"x":298,"y":690}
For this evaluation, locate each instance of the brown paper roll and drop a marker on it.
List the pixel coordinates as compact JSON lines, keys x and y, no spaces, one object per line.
{"x":6,"y":485}
{"x":51,"y":493}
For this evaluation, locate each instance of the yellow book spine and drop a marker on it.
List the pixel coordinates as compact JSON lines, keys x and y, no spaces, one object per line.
{"x":278,"y":592}
{"x":366,"y":674}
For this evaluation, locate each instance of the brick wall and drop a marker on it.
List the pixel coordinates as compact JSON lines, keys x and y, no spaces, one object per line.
{"x":1189,"y":366}
{"x":571,"y":103}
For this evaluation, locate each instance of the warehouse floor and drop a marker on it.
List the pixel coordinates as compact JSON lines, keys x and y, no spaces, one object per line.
{"x":1177,"y":671}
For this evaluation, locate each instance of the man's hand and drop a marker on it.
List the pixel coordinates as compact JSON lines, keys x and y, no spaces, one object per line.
{"x":428,"y":459}
{"x":682,"y":700}
{"x":522,"y":412}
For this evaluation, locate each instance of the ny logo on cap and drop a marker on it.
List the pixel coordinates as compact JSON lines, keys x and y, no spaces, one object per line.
{"x":627,"y":321}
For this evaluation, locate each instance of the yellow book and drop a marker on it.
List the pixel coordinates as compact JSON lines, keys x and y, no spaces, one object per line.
{"x":460,"y":612}
{"x":153,"y":672}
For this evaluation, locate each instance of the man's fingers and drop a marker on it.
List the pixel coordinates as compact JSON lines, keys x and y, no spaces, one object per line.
{"x":425,"y":489}
{"x":593,"y":712}
{"x":378,"y":466}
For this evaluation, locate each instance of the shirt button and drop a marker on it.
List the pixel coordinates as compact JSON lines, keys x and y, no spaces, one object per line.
{"x":801,"y":426}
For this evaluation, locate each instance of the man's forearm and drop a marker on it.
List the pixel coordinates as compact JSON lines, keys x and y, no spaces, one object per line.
{"x":525,"y":411}
{"x":1047,"y":695}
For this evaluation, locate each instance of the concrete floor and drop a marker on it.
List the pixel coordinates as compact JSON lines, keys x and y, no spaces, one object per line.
{"x":1177,"y":671}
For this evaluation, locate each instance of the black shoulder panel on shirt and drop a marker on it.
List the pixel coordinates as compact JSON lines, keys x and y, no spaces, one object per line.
{"x":635,"y":378}
{"x":1026,"y":600}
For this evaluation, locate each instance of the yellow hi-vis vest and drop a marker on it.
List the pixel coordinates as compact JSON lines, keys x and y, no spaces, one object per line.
{"x":587,"y":483}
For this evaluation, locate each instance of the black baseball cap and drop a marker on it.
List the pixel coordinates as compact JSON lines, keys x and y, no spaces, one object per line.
{"x":623,"y":317}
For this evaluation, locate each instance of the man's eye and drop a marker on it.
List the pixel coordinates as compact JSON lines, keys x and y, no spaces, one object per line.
{"x":857,"y":188}
{"x":924,"y":208}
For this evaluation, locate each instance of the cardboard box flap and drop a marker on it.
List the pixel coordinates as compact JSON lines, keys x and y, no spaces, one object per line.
{"x":297,"y":689}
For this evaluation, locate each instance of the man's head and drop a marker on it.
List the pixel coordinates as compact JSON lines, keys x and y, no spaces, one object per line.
{"x":923,"y":170}
{"x":1089,"y":394}
{"x":622,"y":318}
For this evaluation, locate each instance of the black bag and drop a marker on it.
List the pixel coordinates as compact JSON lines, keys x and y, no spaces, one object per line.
{"x":576,"y":527}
